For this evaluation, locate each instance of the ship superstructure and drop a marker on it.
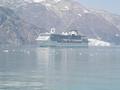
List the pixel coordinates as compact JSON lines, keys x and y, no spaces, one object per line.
{"x":65,"y":39}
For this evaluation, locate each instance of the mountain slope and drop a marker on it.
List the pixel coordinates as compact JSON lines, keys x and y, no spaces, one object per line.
{"x":13,"y":30}
{"x":40,"y":16}
{"x":8,"y":26}
{"x":71,"y":15}
{"x":30,"y":19}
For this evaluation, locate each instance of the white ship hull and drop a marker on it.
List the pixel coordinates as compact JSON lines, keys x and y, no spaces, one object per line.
{"x":56,"y":44}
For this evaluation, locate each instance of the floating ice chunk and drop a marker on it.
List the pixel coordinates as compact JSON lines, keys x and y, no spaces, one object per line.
{"x":117,"y":35}
{"x":5,"y":51}
{"x":80,"y":54}
{"x":91,"y":55}
{"x":13,"y":50}
{"x":28,"y":52}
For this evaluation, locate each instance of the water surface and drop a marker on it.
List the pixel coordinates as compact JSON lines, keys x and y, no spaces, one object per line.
{"x":59,"y":68}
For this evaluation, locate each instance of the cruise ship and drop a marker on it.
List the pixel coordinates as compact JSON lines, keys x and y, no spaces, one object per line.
{"x":65,"y":39}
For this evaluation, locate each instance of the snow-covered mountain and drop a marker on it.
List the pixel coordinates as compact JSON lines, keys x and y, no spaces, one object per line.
{"x":65,"y":15}
{"x":72,"y":15}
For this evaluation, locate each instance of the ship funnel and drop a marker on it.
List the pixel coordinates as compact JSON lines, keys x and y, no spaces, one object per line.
{"x":52,"y":30}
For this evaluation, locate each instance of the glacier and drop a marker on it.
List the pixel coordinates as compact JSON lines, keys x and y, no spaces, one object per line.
{"x":96,"y":42}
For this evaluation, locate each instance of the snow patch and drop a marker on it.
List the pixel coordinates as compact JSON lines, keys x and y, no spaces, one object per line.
{"x":38,"y":1}
{"x":48,"y":5}
{"x":57,"y":1}
{"x":66,"y":8}
{"x":95,"y":42}
{"x":79,"y":15}
{"x":86,"y":11}
{"x":28,"y":1}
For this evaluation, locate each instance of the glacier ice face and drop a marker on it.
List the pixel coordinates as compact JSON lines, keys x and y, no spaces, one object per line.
{"x":95,"y":42}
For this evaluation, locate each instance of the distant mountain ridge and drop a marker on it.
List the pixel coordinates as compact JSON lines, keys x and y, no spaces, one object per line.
{"x":23,"y":24}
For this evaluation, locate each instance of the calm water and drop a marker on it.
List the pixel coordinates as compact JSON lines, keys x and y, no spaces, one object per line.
{"x":60,"y":69}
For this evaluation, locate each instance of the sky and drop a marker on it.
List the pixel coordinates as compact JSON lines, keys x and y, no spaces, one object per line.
{"x":109,"y":5}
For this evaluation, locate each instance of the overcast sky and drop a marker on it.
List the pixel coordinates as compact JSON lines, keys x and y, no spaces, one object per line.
{"x":109,"y":5}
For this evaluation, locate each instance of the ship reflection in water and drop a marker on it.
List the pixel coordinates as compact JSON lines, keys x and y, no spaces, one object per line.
{"x":60,"y":63}
{"x":60,"y":69}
